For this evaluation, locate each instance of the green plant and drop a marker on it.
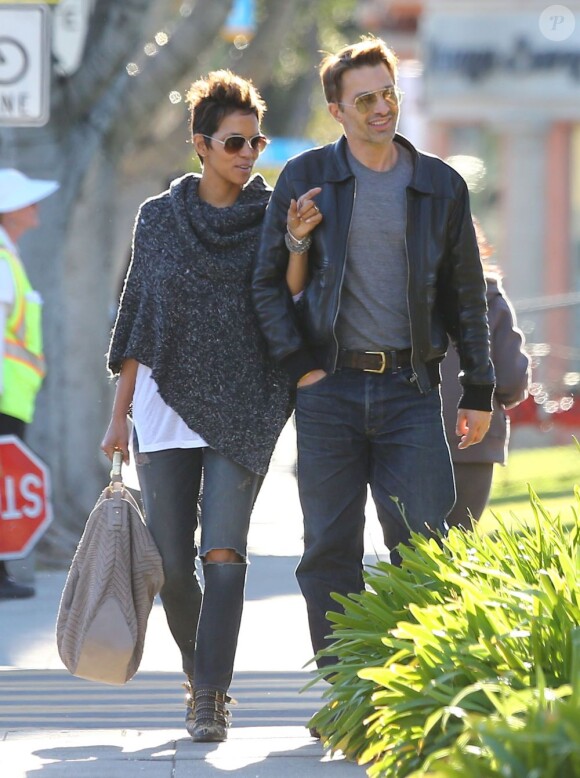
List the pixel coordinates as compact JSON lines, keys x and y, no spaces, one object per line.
{"x":540,"y":738}
{"x":424,"y":650}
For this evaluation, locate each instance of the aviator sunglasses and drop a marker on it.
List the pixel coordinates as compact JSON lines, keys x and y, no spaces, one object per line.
{"x":233,"y":144}
{"x":365,"y":103}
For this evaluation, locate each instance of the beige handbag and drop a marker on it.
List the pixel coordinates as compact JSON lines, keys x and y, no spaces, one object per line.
{"x":107,"y":598}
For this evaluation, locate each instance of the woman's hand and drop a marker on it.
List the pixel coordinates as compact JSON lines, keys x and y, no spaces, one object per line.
{"x":303,"y":214}
{"x":116,"y":438}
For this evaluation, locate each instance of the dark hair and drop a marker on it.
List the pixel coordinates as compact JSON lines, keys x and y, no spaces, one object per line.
{"x":216,"y":96}
{"x":369,"y":51}
{"x":490,"y":265}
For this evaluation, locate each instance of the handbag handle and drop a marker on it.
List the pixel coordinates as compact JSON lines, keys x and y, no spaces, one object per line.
{"x":116,"y":477}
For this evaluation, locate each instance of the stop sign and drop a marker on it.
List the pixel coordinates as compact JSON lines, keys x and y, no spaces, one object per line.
{"x":25,"y":509}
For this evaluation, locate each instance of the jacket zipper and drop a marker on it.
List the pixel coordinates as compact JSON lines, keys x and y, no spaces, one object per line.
{"x":341,"y":283}
{"x":415,"y":376}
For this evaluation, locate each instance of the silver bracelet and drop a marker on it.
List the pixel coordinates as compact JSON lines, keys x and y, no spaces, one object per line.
{"x":296,"y":246}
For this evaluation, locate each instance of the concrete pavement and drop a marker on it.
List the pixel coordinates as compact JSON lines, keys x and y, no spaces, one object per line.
{"x":267,"y":752}
{"x":52,"y":724}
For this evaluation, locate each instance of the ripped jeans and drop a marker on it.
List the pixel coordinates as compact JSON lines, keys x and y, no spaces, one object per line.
{"x":204,"y":625}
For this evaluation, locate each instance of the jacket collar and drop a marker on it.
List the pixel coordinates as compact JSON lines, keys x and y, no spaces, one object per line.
{"x":339,"y":169}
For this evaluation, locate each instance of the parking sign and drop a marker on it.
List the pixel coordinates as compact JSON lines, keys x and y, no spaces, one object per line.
{"x":24,"y":65}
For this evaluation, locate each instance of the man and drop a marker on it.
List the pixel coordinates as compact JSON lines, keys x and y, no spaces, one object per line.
{"x":20,"y":322}
{"x":393,"y":270}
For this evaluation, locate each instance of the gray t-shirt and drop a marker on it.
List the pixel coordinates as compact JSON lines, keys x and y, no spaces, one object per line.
{"x":373,"y":313}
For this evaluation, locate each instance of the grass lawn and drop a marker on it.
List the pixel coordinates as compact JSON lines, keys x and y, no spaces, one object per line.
{"x":551,"y":472}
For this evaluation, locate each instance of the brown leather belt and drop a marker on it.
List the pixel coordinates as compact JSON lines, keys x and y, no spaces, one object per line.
{"x":374,"y":361}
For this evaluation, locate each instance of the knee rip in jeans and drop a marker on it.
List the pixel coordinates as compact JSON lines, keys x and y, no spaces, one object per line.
{"x":223,"y":556}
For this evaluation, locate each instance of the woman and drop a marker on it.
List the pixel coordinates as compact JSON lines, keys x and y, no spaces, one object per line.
{"x":473,"y":467}
{"x":206,"y":400}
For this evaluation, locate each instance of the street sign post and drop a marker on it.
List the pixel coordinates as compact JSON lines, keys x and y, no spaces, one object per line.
{"x":24,"y":65}
{"x":25,"y":507}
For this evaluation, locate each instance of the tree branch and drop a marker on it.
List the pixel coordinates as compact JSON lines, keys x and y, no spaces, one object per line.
{"x":115,"y":29}
{"x":128,"y":100}
{"x":259,"y":58}
{"x":162,"y":73}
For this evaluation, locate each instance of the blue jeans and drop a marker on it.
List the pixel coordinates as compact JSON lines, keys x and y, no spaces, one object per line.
{"x":204,"y":626}
{"x":357,"y":429}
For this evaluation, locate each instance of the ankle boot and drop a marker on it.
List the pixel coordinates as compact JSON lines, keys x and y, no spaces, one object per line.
{"x":219,"y":624}
{"x":189,"y":704}
{"x":211,"y":717}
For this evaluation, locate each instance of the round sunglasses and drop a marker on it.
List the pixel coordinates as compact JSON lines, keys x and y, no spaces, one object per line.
{"x":233,"y":144}
{"x":365,"y":103}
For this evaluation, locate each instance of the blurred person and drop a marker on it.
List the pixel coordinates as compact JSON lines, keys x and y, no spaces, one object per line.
{"x":207,"y":401}
{"x":20,"y":320}
{"x":473,"y":467}
{"x":392,"y":271}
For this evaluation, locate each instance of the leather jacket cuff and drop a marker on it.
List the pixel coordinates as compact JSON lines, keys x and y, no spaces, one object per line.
{"x":477,"y":397}
{"x":298,"y":363}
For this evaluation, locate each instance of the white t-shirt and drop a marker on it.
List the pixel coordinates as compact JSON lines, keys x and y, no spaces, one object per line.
{"x":158,"y":426}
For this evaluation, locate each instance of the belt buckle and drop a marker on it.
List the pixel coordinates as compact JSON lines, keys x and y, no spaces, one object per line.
{"x":383,"y":366}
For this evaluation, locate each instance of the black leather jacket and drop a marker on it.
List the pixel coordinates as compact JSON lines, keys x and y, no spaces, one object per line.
{"x":446,"y":290}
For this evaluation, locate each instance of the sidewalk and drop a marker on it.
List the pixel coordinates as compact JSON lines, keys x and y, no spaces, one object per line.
{"x":55,"y":725}
{"x":267,"y":752}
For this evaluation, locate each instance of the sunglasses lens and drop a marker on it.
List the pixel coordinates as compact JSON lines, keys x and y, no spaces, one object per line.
{"x":392,"y":95}
{"x":259,"y":143}
{"x":365,"y":103}
{"x":234,"y":143}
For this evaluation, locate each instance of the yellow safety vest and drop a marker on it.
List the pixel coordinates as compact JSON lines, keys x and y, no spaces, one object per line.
{"x":23,"y":366}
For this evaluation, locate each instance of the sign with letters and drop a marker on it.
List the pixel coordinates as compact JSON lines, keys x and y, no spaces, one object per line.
{"x":70,"y":24}
{"x":25,"y":506}
{"x":24,"y":65}
{"x":482,"y":63}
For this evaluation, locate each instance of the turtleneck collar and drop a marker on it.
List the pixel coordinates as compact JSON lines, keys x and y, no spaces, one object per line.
{"x":217,"y":227}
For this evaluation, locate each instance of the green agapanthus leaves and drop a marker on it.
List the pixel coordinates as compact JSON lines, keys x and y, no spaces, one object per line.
{"x":466,"y":660}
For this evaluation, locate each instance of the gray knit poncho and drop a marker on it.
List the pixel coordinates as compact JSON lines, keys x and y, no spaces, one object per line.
{"x":186,"y":313}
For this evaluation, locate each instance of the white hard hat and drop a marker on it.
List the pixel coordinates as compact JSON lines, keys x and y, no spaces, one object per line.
{"x":17,"y":190}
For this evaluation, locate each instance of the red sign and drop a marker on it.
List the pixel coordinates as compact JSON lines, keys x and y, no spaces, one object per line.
{"x":25,"y":508}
